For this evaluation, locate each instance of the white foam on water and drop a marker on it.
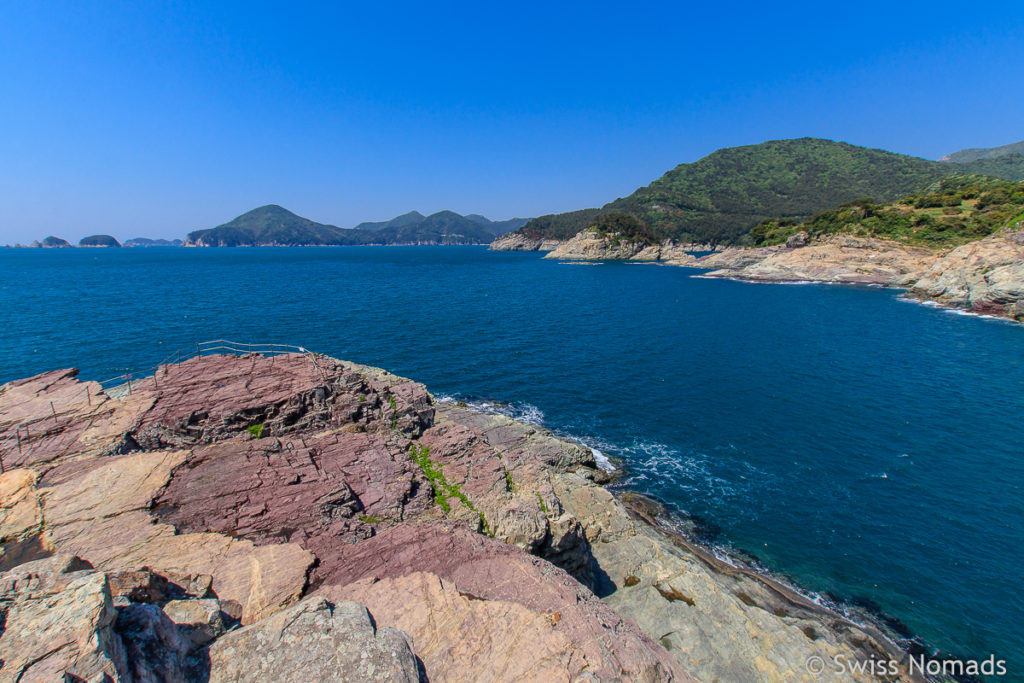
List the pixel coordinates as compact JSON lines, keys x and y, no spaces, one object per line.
{"x":751,"y":281}
{"x":602,"y":460}
{"x":524,"y":412}
{"x":972,"y":314}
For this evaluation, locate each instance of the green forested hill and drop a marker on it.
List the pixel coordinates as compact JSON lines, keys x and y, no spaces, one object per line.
{"x":1005,"y":166}
{"x":397,"y":222}
{"x":720,"y":198}
{"x":275,"y":225}
{"x":951,"y":212}
{"x":270,"y":224}
{"x":443,"y":227}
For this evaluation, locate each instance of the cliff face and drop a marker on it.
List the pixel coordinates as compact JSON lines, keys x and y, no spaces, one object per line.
{"x":513,"y":241}
{"x":986,"y":277}
{"x":304,"y":518}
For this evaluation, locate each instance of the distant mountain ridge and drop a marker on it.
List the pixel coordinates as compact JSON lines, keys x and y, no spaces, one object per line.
{"x":977,"y":153}
{"x":273,"y":225}
{"x":148,"y":242}
{"x":720,"y":198}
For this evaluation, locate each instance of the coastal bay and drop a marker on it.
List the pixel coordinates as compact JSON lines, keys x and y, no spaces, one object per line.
{"x":734,"y":403}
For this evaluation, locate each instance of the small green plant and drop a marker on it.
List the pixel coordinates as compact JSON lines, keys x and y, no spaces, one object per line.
{"x":362,"y":399}
{"x":509,"y":484}
{"x":370,"y":519}
{"x":443,"y":489}
{"x":256,"y":430}
{"x":394,"y":411}
{"x":543,"y":507}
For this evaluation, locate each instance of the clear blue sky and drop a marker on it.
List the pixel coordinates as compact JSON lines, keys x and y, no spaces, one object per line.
{"x":171,"y":116}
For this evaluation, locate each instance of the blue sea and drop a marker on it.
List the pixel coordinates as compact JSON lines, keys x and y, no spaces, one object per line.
{"x":865,"y":447}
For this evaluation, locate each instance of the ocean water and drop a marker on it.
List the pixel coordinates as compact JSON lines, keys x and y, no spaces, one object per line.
{"x":867,"y":447}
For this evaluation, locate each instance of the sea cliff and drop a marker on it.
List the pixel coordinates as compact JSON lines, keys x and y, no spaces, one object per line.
{"x":515,"y":241}
{"x":303,"y":518}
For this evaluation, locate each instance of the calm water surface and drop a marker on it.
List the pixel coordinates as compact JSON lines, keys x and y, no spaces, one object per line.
{"x":867,"y":447}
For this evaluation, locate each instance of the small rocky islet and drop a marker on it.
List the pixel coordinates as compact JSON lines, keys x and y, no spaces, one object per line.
{"x":298,"y":517}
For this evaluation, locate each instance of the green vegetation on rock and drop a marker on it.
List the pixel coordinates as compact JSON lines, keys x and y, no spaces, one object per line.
{"x":622,"y":227}
{"x":443,"y":489}
{"x":559,"y":226}
{"x":949,"y":213}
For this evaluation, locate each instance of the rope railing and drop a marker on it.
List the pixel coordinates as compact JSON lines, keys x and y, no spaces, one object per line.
{"x":208,"y":348}
{"x":112,"y":385}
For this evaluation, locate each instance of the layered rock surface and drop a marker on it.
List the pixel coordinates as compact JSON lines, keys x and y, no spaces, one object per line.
{"x":515,"y":242}
{"x":985,"y":277}
{"x":282,"y":498}
{"x":590,"y":245}
{"x":835,"y":259}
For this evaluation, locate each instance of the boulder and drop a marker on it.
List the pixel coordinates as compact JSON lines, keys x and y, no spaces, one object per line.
{"x":801,"y":239}
{"x":314,"y":640}
{"x":58,"y":622}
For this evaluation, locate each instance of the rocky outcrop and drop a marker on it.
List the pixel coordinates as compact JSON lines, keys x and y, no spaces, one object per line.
{"x":515,"y":241}
{"x":58,"y":620}
{"x":100,"y":511}
{"x":590,"y":245}
{"x":236,"y":517}
{"x":315,"y":640}
{"x":720,"y":622}
{"x":984,"y":277}
{"x":63,"y":620}
{"x":834,"y":259}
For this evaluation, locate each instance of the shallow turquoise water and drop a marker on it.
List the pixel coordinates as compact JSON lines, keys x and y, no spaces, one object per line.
{"x":865,"y":446}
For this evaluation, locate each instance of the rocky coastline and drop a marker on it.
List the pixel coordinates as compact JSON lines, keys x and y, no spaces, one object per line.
{"x":300,"y":517}
{"x":985,"y":276}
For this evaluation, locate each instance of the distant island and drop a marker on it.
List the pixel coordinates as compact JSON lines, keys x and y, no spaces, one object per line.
{"x":98,"y":241}
{"x":273,"y":225}
{"x":147,"y":242}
